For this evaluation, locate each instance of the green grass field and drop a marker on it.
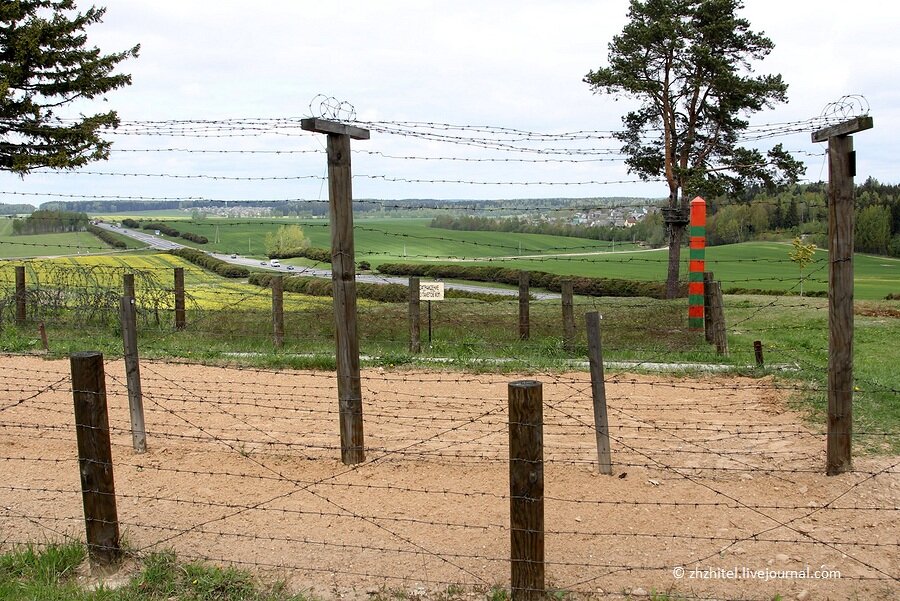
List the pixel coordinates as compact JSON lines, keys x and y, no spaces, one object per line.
{"x":39,"y":245}
{"x":751,"y":265}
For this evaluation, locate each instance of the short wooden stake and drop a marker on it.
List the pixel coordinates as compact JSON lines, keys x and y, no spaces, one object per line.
{"x":526,"y":489}
{"x":43,"y":332}
{"x":758,"y":351}
{"x":720,"y":334}
{"x":21,"y":295}
{"x":278,"y":310}
{"x":598,"y":390}
{"x":568,"y":315}
{"x":180,"y":321}
{"x":415,"y":335}
{"x":95,"y":457}
{"x":524,"y":322}
{"x":128,"y":318}
{"x":343,"y":280}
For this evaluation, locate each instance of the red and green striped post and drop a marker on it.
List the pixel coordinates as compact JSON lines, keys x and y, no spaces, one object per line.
{"x":697,"y":264}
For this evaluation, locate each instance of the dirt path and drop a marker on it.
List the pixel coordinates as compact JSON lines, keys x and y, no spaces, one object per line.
{"x":243,"y":468}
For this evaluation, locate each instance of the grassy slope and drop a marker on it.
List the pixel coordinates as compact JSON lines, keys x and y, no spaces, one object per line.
{"x":37,"y":245}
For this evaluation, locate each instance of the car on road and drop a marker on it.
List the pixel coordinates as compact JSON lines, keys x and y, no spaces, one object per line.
{"x":263,"y":263}
{"x":290,"y":268}
{"x":234,"y":255}
{"x":276,"y":263}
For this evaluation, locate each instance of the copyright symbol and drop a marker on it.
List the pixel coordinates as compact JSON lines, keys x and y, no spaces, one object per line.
{"x":678,"y":573}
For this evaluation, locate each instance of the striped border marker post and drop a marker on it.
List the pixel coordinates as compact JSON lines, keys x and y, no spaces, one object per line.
{"x":697,"y":264}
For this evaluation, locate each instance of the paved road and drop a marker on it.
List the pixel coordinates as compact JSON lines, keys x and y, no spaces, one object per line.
{"x":160,"y":243}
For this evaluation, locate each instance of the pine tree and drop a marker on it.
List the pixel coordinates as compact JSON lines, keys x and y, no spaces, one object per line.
{"x":46,"y":65}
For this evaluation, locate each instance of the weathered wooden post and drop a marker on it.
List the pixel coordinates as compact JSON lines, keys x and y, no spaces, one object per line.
{"x":43,"y":332}
{"x":568,"y":315}
{"x":21,"y":295}
{"x":415,"y":342}
{"x":524,"y":323}
{"x":598,"y":390}
{"x":758,"y":352}
{"x":708,"y":279}
{"x":343,"y":278}
{"x":697,"y":264}
{"x":180,"y":321}
{"x":278,"y":310}
{"x":841,"y":170}
{"x":128,"y":285}
{"x":128,"y":319}
{"x":98,"y":492}
{"x":526,"y":489}
{"x":720,"y":333}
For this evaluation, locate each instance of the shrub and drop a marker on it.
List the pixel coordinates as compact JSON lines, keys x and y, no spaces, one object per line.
{"x":209,"y":262}
{"x":162,"y":227}
{"x":106,"y":236}
{"x":322,"y":255}
{"x":132,"y":223}
{"x":195,"y":237}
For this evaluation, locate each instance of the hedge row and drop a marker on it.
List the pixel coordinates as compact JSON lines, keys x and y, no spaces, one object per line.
{"x":194,"y":237}
{"x":132,"y":223}
{"x":107,"y":236}
{"x":322,"y":255}
{"x":540,"y":279}
{"x":385,"y":293}
{"x":207,"y":261}
{"x":761,"y":292}
{"x":162,"y":227}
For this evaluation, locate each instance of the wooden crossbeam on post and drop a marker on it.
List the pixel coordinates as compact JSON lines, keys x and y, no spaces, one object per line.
{"x":524,"y":318}
{"x":98,"y":490}
{"x":841,"y":171}
{"x":278,"y":311}
{"x":343,"y":278}
{"x":415,"y":329}
{"x":598,"y":391}
{"x":526,"y":489}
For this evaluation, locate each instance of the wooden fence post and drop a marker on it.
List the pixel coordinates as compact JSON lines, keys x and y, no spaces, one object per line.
{"x":568,"y":315}
{"x":278,"y":310}
{"x":841,"y":193}
{"x":43,"y":332}
{"x":180,"y":321}
{"x":598,"y":390}
{"x":21,"y":295}
{"x":758,"y":352}
{"x":95,"y":457}
{"x":524,"y":317}
{"x":128,"y":318}
{"x":415,"y":342}
{"x":720,"y":334}
{"x":128,"y":285}
{"x":526,"y":489}
{"x":343,"y":280}
{"x":708,"y":279}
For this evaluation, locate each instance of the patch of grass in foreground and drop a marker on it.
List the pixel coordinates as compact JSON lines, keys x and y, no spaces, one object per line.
{"x":51,"y":574}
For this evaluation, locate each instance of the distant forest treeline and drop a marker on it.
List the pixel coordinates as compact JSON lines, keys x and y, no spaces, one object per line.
{"x":51,"y":222}
{"x":14,"y":209}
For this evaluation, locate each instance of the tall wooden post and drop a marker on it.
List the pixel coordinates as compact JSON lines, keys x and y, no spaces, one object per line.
{"x":720,"y":333}
{"x":697,"y":264}
{"x":128,"y":285}
{"x":98,"y":491}
{"x":841,"y":170}
{"x":708,"y":325}
{"x":180,"y":321}
{"x":598,"y":390}
{"x":568,"y":315}
{"x":524,"y":323}
{"x":343,"y":278}
{"x":278,"y":310}
{"x":21,"y":295}
{"x":128,"y":319}
{"x":526,"y":489}
{"x":415,"y":342}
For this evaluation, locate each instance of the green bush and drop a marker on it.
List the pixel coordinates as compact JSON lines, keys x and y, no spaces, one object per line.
{"x":106,"y":236}
{"x":322,"y":255}
{"x":194,"y":237}
{"x":162,"y":227}
{"x":207,"y":261}
{"x":132,"y":223}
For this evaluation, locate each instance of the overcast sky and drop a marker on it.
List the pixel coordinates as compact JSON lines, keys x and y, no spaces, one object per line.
{"x":508,"y":63}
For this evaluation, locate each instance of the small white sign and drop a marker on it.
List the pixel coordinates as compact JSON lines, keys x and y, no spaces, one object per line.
{"x":430,"y":291}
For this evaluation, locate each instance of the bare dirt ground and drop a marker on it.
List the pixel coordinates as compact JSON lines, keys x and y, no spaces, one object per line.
{"x":712,"y":475}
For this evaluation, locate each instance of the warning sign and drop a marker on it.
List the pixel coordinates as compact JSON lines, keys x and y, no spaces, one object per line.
{"x":431,"y":291}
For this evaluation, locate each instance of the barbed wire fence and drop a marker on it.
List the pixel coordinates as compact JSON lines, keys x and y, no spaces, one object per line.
{"x":709,"y":474}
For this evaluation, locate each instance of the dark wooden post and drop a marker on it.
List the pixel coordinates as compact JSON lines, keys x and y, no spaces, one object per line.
{"x":180,"y":321}
{"x":278,"y":310}
{"x":128,"y":318}
{"x":128,"y":284}
{"x":524,"y":322}
{"x":415,"y":342}
{"x":841,"y":170}
{"x":707,"y":305}
{"x":720,"y":334}
{"x":598,"y":390}
{"x":568,"y":315}
{"x":21,"y":295}
{"x":343,"y":278}
{"x":526,"y":489}
{"x":43,"y":332}
{"x":758,"y":351}
{"x":95,"y":457}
